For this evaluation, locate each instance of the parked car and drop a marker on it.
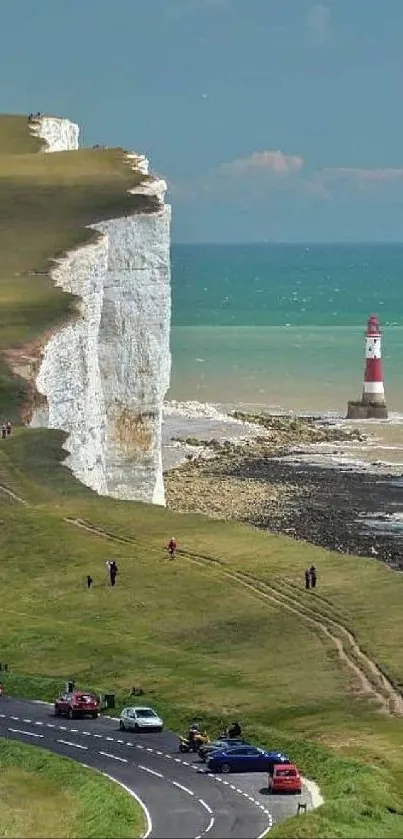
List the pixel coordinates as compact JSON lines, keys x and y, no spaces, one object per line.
{"x":78,"y":703}
{"x":137,"y":719}
{"x":221,"y":743}
{"x":244,"y":759}
{"x":285,"y":778}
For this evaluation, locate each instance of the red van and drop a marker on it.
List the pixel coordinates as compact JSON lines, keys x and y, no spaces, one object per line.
{"x":285,"y":778}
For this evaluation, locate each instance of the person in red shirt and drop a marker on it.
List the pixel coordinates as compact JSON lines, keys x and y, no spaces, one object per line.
{"x":172,"y":547}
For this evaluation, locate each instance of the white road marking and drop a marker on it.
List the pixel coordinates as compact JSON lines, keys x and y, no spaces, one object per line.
{"x":14,"y":718}
{"x":110,"y":738}
{"x":206,"y":806}
{"x":50,"y":725}
{"x":62,"y":727}
{"x":28,"y":733}
{"x":151,"y":771}
{"x":158,"y":752}
{"x":210,"y":825}
{"x":134,"y":795}
{"x":120,"y":741}
{"x":76,"y":745}
{"x":38,"y":722}
{"x":97,"y":735}
{"x":73,"y":730}
{"x":27,"y":721}
{"x":168,"y":757}
{"x":2,"y":715}
{"x":180,"y":786}
{"x":114,"y":757}
{"x":86,"y":733}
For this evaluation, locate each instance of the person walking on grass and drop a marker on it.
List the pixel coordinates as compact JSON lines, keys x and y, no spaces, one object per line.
{"x":3,"y":431}
{"x":89,"y":581}
{"x":172,"y":548}
{"x":307,"y":578}
{"x":113,"y":570}
{"x":312,"y":573}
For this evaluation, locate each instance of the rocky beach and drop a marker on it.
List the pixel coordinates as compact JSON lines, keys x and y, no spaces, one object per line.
{"x":271,"y":481}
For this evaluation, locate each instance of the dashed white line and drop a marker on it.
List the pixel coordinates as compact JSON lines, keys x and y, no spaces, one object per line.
{"x":149,"y":750}
{"x":50,"y":725}
{"x":14,"y":718}
{"x":63,"y":727}
{"x":114,"y":757}
{"x":28,"y":721}
{"x":86,"y":733}
{"x":158,"y":752}
{"x":76,"y":745}
{"x":111,"y":739}
{"x":206,"y":806}
{"x":97,"y":735}
{"x":151,"y":771}
{"x":38,"y":722}
{"x":73,"y":730}
{"x":180,"y":786}
{"x":27,"y":733}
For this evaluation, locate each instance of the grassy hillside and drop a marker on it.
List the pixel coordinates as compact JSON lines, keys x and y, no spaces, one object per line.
{"x":47,"y":796}
{"x":225,"y":630}
{"x":46,"y":200}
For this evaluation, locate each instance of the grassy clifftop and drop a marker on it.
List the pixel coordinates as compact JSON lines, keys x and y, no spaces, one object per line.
{"x":46,"y":201}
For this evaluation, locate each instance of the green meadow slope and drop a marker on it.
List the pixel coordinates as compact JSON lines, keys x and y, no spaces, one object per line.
{"x":225,"y":630}
{"x":44,"y":795}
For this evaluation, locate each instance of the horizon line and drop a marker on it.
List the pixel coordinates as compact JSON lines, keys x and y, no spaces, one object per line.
{"x":306,"y":243}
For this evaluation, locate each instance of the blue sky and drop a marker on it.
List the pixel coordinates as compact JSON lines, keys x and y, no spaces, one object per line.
{"x":276,"y":120}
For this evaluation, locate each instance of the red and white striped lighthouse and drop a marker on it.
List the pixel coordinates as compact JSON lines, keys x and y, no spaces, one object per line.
{"x":373,"y":390}
{"x":372,"y":405}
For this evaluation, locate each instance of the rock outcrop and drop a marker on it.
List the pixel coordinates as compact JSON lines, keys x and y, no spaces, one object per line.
{"x":105,"y":374}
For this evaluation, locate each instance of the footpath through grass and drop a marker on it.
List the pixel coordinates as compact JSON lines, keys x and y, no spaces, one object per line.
{"x":200,"y":643}
{"x":43,"y":796}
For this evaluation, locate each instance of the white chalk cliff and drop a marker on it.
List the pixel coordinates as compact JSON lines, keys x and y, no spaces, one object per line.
{"x":105,"y":374}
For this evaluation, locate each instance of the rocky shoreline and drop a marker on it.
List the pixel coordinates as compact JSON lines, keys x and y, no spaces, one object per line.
{"x":253,"y":481}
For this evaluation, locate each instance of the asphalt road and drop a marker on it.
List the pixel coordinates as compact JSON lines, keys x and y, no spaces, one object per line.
{"x":182,"y":800}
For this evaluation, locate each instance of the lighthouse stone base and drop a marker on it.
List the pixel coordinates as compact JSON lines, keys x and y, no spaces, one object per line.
{"x":366,"y":410}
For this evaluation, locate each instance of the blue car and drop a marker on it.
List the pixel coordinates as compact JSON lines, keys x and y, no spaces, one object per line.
{"x":244,"y":759}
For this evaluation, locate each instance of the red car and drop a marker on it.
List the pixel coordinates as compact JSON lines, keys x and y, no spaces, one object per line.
{"x":77,"y":704}
{"x":285,"y":778}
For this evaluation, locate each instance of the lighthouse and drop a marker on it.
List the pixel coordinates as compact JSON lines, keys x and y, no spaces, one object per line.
{"x":372,"y":404}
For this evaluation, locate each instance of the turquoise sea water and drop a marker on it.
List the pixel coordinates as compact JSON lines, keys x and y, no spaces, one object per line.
{"x":283,"y":325}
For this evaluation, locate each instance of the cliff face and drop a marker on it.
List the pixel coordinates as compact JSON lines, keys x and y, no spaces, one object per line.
{"x":105,"y":374}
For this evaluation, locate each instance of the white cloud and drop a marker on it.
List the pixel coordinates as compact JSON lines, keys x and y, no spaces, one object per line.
{"x":274,"y":162}
{"x":318,"y":22}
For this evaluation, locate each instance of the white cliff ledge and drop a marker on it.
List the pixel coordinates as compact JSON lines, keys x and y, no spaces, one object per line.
{"x":104,"y":376}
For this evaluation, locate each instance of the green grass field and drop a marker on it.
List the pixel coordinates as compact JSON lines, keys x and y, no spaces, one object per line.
{"x":224,"y":631}
{"x":42,"y":795}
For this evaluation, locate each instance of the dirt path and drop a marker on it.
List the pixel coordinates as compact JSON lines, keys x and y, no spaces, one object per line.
{"x":13,"y":495}
{"x":372,"y":682}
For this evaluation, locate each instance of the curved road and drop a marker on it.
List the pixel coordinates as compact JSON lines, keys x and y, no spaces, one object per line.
{"x":183,"y":801}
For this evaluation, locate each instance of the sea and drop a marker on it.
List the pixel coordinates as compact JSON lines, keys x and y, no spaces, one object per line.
{"x":280,"y":328}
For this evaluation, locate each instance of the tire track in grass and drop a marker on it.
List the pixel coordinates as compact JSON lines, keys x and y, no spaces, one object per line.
{"x":380,"y":688}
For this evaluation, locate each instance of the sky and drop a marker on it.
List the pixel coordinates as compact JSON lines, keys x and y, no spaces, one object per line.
{"x":271,"y":120}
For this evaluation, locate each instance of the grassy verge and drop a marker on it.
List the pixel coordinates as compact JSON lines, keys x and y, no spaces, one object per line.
{"x":43,"y":795}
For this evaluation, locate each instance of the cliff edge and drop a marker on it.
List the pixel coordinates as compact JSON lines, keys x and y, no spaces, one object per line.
{"x":102,"y":374}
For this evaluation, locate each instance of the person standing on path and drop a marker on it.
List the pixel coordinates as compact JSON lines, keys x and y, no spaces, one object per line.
{"x":307,"y":578}
{"x":312,"y":572}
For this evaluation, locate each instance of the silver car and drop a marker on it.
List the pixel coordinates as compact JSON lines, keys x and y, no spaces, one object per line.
{"x":140,"y":719}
